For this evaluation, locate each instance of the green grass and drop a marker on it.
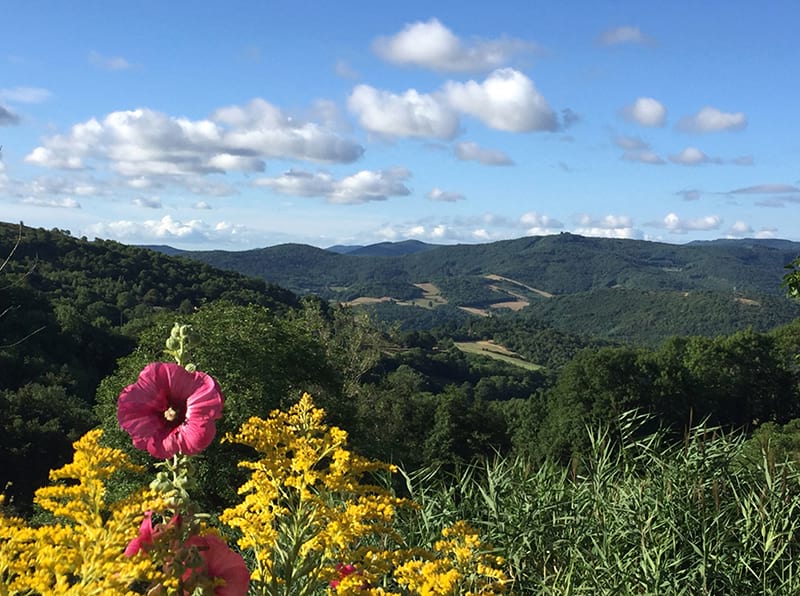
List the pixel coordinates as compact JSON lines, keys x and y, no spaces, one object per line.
{"x":496,"y":352}
{"x":632,"y":516}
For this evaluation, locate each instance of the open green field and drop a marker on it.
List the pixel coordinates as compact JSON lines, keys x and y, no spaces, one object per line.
{"x":498,"y":352}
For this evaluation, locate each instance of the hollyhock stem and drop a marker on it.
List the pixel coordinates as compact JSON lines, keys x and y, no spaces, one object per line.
{"x":174,"y":479}
{"x":180,"y":339}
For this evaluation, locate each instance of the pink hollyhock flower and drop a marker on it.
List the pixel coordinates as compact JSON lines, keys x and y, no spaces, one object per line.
{"x":219,"y":563}
{"x":148,"y":533}
{"x":145,"y":537}
{"x":170,"y":410}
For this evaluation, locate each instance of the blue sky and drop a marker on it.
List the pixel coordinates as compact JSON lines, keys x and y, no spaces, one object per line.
{"x":245,"y":124}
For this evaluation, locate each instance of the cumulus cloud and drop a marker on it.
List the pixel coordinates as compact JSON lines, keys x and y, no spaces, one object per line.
{"x":766,"y":233}
{"x":25,"y":95}
{"x":7,"y":117}
{"x":108,"y":62}
{"x":676,"y":225}
{"x":143,"y":144}
{"x":147,"y":202}
{"x":361,"y":187}
{"x":223,"y":162}
{"x":609,"y":226}
{"x":646,"y":111}
{"x":411,"y":114}
{"x":432,"y":45}
{"x":201,"y":205}
{"x":167,"y":229}
{"x":625,"y":34}
{"x":692,"y":156}
{"x":470,"y":151}
{"x":710,"y":119}
{"x":48,"y":185}
{"x":65,"y":203}
{"x":506,"y":100}
{"x":740,"y":229}
{"x":437,"y":194}
{"x":537,"y":224}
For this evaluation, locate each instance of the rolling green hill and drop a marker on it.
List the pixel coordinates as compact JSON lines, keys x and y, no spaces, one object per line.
{"x":627,"y":290}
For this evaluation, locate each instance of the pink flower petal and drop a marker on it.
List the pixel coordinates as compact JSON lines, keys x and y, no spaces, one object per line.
{"x":144,"y":538}
{"x":220,"y":562}
{"x":163,"y":389}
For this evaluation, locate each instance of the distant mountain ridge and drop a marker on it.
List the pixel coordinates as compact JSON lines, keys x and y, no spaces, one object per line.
{"x":558,"y":264}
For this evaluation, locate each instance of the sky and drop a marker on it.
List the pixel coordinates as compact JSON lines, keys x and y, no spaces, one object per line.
{"x":243,"y":124}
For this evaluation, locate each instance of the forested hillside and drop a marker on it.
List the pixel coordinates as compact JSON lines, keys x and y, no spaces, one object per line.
{"x":619,"y":290}
{"x":481,"y":412}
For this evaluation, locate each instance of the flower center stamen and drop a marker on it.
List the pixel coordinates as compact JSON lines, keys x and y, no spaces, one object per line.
{"x":170,"y":414}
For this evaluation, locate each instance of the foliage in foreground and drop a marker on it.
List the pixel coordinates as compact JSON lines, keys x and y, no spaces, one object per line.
{"x":712,"y":515}
{"x":309,"y":522}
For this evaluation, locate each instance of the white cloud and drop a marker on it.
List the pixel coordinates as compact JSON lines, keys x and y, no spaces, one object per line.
{"x":65,"y":203}
{"x":469,"y":151}
{"x":244,"y":163}
{"x":265,"y":130}
{"x":691,"y":156}
{"x":432,"y":45}
{"x":623,"y":35}
{"x":537,"y":224}
{"x":166,"y":229}
{"x":676,"y":225}
{"x":767,"y":233}
{"x":437,"y":194}
{"x":109,"y":62}
{"x":201,"y":205}
{"x":411,"y":114}
{"x":361,"y":187}
{"x":609,"y":226}
{"x":629,"y":233}
{"x":147,"y":202}
{"x":80,"y":186}
{"x":710,"y":119}
{"x":740,"y":229}
{"x":25,"y":95}
{"x":141,"y":144}
{"x":646,"y":111}
{"x":506,"y":100}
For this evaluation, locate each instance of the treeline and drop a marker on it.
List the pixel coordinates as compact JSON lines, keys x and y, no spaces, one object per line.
{"x":559,"y":264}
{"x":69,"y":309}
{"x":411,"y":398}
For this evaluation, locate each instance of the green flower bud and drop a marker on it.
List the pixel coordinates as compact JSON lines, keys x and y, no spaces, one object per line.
{"x":173,"y":343}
